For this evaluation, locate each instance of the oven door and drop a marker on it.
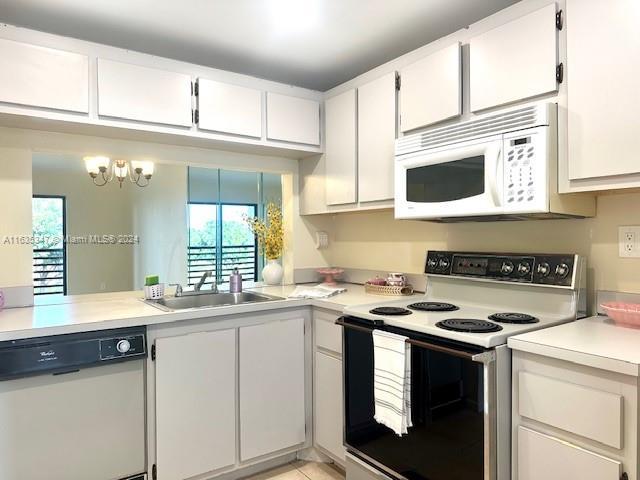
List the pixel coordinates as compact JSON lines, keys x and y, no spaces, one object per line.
{"x":454,"y":181}
{"x":453,"y":398}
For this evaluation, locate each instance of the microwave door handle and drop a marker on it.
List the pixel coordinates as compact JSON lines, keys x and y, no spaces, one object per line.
{"x":494,"y":155}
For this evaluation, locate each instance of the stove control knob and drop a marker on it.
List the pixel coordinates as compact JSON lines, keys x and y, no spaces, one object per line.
{"x":431,"y":263}
{"x":443,"y":263}
{"x":506,"y":268}
{"x":524,"y":268}
{"x":562,"y":270}
{"x":123,"y":346}
{"x":544,"y":269}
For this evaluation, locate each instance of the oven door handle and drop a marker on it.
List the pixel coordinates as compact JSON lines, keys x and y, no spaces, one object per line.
{"x":484,"y":357}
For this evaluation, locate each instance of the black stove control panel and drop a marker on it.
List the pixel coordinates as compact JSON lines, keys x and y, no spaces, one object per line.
{"x":551,"y":269}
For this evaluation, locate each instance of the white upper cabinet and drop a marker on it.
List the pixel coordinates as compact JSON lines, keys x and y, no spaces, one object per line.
{"x":514,"y":61}
{"x":377,"y":120}
{"x":603,"y":52}
{"x":43,"y":77}
{"x":145,"y":94}
{"x":195,"y":404}
{"x":272,"y":387}
{"x":293,"y":119}
{"x":431,"y":89}
{"x":227,"y":108}
{"x":341,"y":156}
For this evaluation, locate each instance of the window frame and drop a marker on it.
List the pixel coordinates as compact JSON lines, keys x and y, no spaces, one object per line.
{"x":64,"y":243}
{"x":219,"y":235}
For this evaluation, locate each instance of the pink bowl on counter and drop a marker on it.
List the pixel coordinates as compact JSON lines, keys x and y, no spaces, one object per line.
{"x":625,"y":314}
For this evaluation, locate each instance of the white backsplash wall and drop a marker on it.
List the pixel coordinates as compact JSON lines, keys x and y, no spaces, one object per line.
{"x":375,"y":240}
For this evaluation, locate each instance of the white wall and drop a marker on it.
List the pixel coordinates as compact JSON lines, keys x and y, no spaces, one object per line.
{"x":159,"y":214}
{"x":15,"y":217}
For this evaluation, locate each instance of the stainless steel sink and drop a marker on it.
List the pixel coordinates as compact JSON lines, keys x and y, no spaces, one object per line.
{"x":209,"y":300}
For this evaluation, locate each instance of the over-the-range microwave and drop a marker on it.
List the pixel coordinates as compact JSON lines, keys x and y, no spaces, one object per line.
{"x":498,"y":166}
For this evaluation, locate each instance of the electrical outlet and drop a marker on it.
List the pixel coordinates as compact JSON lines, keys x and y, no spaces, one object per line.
{"x":629,"y":241}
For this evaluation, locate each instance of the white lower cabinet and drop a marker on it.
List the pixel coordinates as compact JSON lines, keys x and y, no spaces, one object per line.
{"x":328,"y":404}
{"x":228,"y":395}
{"x":543,"y":457}
{"x":195,"y":403}
{"x":328,"y":411}
{"x":572,"y":421}
{"x":272,"y":387}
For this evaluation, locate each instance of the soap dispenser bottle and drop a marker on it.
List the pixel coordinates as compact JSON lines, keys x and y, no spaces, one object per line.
{"x":235,"y":281}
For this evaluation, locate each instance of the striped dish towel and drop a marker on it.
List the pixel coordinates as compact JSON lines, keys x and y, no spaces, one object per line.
{"x":392,"y":381}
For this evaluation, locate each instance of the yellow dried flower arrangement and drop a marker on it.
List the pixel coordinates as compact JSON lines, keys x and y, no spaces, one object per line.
{"x":270,"y":233}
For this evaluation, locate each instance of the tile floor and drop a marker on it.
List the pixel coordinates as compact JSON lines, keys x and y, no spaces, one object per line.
{"x":300,"y":470}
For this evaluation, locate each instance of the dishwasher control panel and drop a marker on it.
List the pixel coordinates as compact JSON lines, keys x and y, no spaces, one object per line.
{"x":123,"y":346}
{"x":62,"y":354}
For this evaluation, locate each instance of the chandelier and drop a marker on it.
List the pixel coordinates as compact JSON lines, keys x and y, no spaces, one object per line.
{"x":102,"y":171}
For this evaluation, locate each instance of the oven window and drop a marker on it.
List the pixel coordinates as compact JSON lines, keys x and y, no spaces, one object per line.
{"x":446,"y":441}
{"x":447,"y":181}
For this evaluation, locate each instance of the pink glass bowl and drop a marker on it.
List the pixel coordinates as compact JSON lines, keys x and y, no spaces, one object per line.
{"x":330,"y":274}
{"x":626,"y":314}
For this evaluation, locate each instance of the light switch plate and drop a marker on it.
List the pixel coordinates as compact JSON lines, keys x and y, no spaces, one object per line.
{"x":629,"y":241}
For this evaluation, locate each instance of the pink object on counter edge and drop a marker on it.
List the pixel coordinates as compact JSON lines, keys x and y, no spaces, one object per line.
{"x":625,"y":314}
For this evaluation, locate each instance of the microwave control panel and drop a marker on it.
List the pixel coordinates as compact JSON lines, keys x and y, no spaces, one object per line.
{"x":552,"y":269}
{"x":520,"y":183}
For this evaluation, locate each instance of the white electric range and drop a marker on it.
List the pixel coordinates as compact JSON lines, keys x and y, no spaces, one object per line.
{"x":461,"y":365}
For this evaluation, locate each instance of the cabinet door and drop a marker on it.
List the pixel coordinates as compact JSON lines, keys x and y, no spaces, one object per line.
{"x":43,"y":77}
{"x":329,"y":417}
{"x":229,"y":108}
{"x":341,"y":159}
{"x":195,"y":404}
{"x":542,"y":457}
{"x":272,"y":396}
{"x":292,"y":119}
{"x":146,"y":94}
{"x":514,"y":61}
{"x":431,"y":89}
{"x":603,"y":47}
{"x":377,"y":119}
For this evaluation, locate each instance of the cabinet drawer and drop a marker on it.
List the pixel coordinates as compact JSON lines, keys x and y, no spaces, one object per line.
{"x":328,"y":334}
{"x":542,"y":457}
{"x":585,"y":411}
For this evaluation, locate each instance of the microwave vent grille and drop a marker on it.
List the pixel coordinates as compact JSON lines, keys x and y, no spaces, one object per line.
{"x":485,"y":126}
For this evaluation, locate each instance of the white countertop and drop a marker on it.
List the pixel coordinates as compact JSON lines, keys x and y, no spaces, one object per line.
{"x":81,"y":313}
{"x":595,"y":342}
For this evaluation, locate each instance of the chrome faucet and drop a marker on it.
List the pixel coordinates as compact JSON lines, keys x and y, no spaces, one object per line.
{"x":203,"y":278}
{"x":178,"y":289}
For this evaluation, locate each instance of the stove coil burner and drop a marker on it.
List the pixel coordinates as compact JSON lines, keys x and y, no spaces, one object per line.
{"x":469,"y":325}
{"x":511,"y":317}
{"x":390,"y":311}
{"x":433,"y":307}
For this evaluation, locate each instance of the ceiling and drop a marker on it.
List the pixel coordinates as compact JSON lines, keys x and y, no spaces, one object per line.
{"x":316,"y":44}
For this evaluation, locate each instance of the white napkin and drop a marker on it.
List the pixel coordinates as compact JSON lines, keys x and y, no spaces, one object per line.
{"x":319,"y":291}
{"x":392,"y":381}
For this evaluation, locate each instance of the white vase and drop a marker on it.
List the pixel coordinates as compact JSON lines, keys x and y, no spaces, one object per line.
{"x":272,"y":273}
